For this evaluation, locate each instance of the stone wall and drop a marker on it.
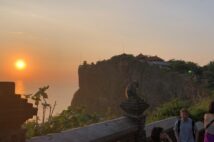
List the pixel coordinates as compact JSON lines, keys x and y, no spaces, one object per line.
{"x":118,"y":130}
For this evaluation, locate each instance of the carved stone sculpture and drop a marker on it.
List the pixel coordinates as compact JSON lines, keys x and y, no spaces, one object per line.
{"x":134,"y":108}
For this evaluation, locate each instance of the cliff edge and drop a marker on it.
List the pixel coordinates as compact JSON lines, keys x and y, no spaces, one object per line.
{"x":102,"y":85}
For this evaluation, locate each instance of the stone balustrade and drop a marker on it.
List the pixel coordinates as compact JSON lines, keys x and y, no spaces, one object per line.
{"x":117,"y":130}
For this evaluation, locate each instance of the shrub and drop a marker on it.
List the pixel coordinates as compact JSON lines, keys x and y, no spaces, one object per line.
{"x":70,"y":118}
{"x":168,"y":109}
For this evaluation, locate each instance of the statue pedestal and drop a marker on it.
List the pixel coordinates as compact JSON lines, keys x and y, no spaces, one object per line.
{"x":134,"y":108}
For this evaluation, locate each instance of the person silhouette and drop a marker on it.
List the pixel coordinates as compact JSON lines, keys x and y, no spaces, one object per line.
{"x":158,"y":135}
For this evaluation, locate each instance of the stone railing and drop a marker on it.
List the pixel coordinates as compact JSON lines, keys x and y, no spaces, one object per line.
{"x":117,"y":130}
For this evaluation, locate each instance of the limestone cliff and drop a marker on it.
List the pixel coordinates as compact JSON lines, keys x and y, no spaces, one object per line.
{"x":102,"y":85}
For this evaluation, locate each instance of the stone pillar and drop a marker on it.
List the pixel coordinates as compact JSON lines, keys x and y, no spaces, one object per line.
{"x":134,"y":108}
{"x":14,"y":111}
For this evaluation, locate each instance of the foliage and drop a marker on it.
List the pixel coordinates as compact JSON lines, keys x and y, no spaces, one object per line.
{"x":70,"y":118}
{"x":168,"y":109}
{"x":184,"y":67}
{"x":203,"y":75}
{"x":191,"y":69}
{"x":198,"y":109}
{"x":41,"y":93}
{"x":67,"y":119}
{"x":40,"y":97}
{"x":209,"y":74}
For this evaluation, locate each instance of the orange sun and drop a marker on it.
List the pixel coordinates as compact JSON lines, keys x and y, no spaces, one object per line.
{"x":20,"y":64}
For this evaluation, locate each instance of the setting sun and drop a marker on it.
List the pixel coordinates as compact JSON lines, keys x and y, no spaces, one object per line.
{"x":20,"y":64}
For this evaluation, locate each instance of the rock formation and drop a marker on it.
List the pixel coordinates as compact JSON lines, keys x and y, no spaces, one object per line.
{"x":102,"y":85}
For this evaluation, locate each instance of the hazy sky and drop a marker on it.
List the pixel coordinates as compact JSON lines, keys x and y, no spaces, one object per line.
{"x":55,"y":36}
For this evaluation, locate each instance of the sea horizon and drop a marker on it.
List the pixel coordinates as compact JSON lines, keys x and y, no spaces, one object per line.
{"x":61,"y":92}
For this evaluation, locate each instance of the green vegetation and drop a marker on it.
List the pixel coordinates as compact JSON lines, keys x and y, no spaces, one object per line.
{"x":70,"y":118}
{"x":169,"y":109}
{"x":203,"y":75}
{"x":40,"y":98}
{"x":198,"y":109}
{"x":67,"y":119}
{"x":184,"y":67}
{"x":209,"y":74}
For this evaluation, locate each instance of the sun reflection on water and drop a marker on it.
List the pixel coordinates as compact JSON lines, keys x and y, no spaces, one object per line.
{"x":20,"y":87}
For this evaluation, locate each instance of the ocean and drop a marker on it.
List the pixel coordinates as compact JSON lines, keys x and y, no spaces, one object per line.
{"x":62,"y":92}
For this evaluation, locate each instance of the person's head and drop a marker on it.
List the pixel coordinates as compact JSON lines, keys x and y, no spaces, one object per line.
{"x":157,"y":134}
{"x":211,"y":107}
{"x":184,"y":114}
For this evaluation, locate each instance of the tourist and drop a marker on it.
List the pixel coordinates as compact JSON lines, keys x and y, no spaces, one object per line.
{"x":209,"y":124}
{"x":185,"y":129}
{"x":158,"y":135}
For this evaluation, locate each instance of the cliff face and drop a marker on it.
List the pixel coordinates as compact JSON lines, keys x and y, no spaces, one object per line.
{"x":102,"y":86}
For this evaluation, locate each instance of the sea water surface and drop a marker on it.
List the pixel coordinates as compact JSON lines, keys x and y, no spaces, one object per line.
{"x":61,"y":92}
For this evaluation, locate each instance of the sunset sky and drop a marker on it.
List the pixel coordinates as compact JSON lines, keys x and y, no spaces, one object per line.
{"x":55,"y":36}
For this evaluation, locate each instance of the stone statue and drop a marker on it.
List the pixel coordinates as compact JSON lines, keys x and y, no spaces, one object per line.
{"x":132,"y":90}
{"x":134,"y":108}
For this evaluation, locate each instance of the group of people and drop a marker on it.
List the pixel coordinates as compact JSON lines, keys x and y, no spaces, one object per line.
{"x":185,"y":128}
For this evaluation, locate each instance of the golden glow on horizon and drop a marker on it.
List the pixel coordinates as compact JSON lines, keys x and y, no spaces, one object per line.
{"x":20,"y":64}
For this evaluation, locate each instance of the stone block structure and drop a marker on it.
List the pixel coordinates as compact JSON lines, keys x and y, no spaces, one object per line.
{"x":14,"y":111}
{"x":134,"y":108}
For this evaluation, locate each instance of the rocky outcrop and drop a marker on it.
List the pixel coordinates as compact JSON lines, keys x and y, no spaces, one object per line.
{"x":102,"y":85}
